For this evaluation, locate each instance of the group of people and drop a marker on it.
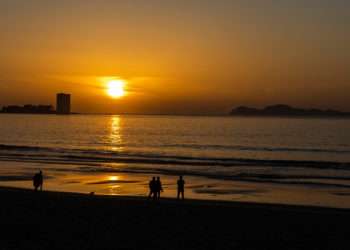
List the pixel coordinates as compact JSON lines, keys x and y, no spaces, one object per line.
{"x":155,"y":187}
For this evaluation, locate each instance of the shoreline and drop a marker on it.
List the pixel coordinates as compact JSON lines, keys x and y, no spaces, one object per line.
{"x":167,"y":200}
{"x":117,"y":181}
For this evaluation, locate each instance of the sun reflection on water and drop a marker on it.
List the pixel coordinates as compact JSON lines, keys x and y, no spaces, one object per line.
{"x":115,"y":137}
{"x":113,"y":178}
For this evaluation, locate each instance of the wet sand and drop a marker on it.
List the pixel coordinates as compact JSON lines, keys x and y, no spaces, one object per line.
{"x":52,"y":220}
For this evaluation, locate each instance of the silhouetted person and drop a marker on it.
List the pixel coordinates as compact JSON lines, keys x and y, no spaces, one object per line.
{"x":181,"y":188}
{"x":152,"y":189}
{"x":38,"y":181}
{"x":159,"y":187}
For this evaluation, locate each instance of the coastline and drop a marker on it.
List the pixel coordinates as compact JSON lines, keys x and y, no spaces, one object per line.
{"x":124,"y":180}
{"x":56,"y":220}
{"x":174,"y":201}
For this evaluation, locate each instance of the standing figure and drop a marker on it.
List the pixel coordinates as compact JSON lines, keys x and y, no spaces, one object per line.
{"x":38,"y":181}
{"x":181,"y":188}
{"x":152,"y":189}
{"x":159,"y":187}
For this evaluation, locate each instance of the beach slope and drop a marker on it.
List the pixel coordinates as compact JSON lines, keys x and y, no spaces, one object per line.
{"x":50,"y":220}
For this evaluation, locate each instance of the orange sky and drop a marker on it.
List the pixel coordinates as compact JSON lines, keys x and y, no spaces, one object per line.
{"x":182,"y":57}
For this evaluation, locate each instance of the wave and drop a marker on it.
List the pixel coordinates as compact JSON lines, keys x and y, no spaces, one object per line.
{"x":198,"y":147}
{"x":265,"y":149}
{"x":91,"y":156}
{"x":281,"y":179}
{"x":220,"y":168}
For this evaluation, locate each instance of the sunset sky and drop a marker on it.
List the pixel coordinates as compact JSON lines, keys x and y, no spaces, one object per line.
{"x":178,"y":57}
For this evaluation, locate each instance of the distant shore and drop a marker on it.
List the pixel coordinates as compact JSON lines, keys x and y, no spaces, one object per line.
{"x":283,"y":110}
{"x":53,"y":220}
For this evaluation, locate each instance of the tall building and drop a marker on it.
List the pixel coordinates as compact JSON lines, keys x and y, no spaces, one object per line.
{"x":63,"y":104}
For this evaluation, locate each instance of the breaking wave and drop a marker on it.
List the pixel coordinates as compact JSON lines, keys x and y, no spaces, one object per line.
{"x":74,"y":156}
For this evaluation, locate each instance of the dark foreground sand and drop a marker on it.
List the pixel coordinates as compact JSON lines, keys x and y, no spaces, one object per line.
{"x":71,"y":221}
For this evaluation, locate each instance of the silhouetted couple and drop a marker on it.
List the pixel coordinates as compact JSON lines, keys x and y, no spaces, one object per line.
{"x":155,"y":187}
{"x":38,"y":181}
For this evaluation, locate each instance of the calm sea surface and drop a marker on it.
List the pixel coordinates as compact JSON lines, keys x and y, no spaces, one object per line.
{"x":256,"y":151}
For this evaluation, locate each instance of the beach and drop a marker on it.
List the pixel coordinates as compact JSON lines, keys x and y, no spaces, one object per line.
{"x":110,"y":111}
{"x":56,"y":220}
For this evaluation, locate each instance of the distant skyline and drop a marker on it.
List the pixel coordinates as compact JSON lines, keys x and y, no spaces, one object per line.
{"x":175,"y":57}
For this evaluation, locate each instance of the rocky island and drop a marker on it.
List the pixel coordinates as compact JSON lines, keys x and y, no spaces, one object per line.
{"x":282,"y":110}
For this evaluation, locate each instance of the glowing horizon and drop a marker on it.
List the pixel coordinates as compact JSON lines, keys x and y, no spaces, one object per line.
{"x":188,"y":57}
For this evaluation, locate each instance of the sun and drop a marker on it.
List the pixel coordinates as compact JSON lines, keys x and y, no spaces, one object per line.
{"x":116,"y":88}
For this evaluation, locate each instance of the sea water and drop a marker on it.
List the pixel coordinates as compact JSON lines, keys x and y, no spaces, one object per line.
{"x":279,"y":160}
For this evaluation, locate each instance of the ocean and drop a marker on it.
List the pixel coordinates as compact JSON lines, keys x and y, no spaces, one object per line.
{"x":277,"y":160}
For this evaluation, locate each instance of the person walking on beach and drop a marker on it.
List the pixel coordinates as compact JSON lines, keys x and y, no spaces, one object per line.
{"x":159,"y":187}
{"x":38,"y":181}
{"x":152,"y":189}
{"x":181,"y":188}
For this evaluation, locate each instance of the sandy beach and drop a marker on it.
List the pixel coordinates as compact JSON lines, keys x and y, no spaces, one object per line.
{"x":53,"y":220}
